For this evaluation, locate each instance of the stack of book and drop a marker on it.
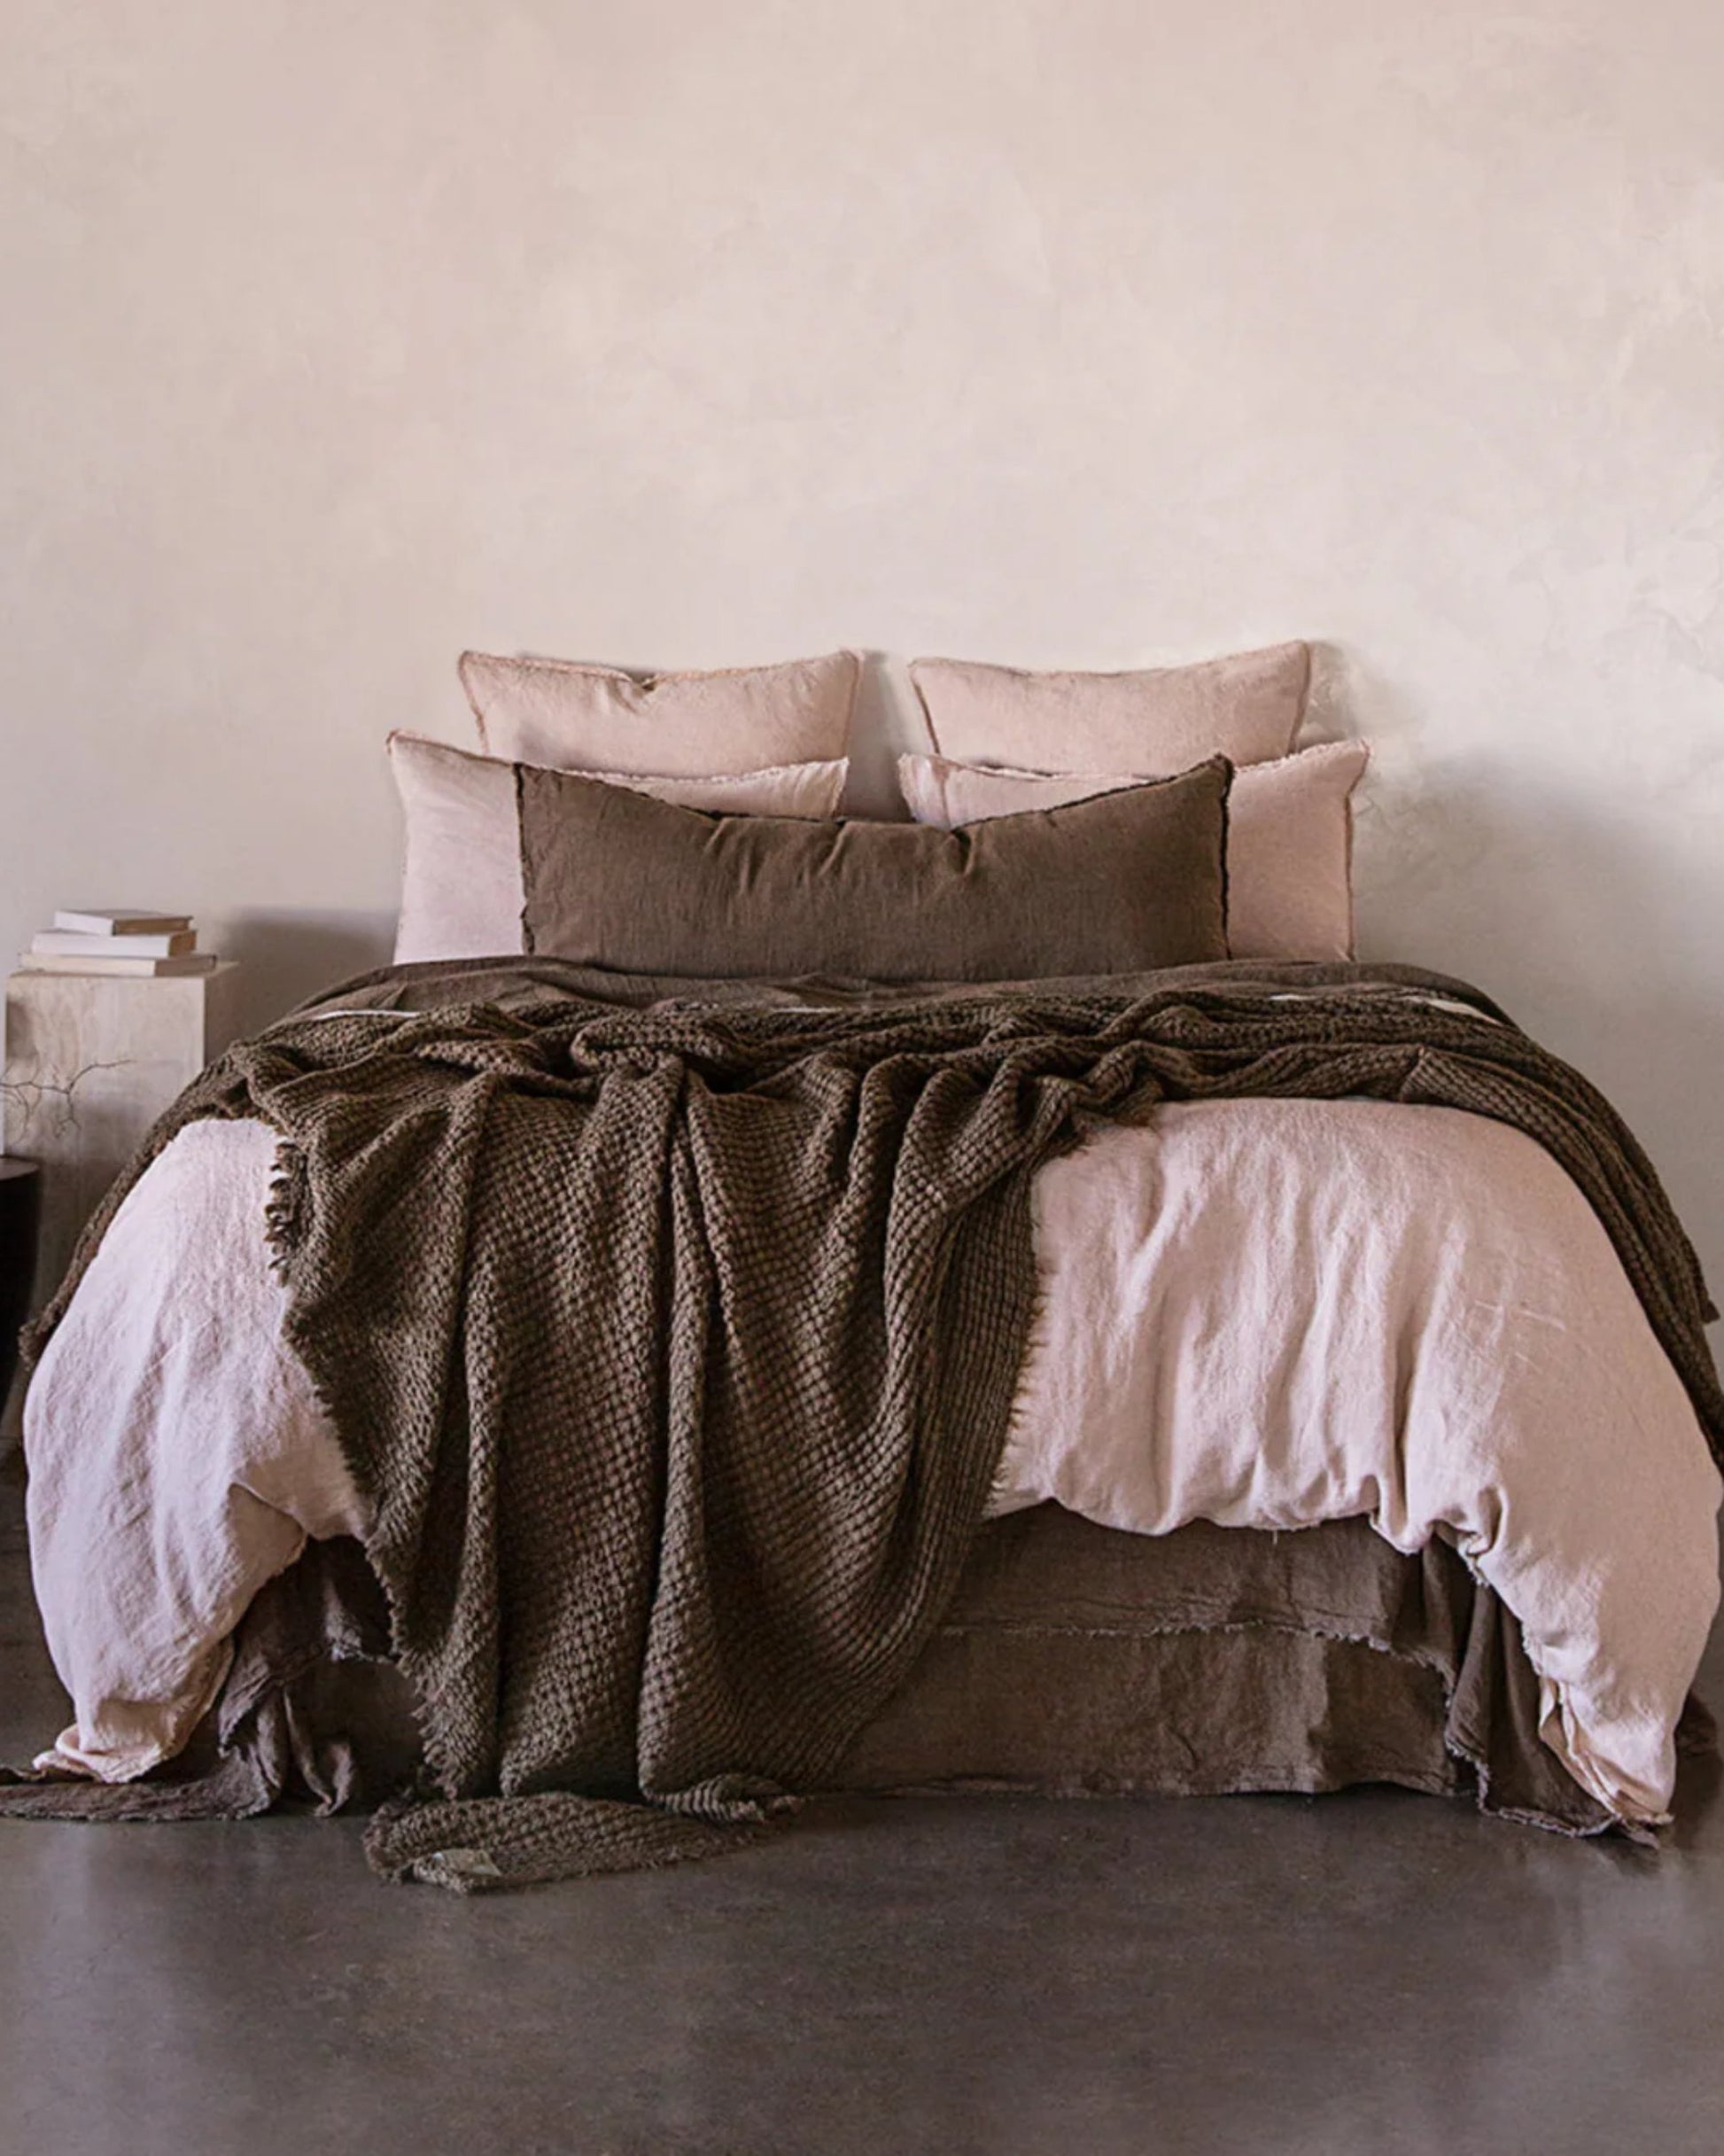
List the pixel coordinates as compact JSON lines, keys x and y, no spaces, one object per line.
{"x":96,"y":939}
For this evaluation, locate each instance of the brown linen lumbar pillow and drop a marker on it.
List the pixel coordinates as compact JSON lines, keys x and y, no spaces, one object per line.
{"x":1114,"y":885}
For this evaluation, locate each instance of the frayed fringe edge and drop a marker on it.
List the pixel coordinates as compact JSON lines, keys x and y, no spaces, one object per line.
{"x":288,"y":1210}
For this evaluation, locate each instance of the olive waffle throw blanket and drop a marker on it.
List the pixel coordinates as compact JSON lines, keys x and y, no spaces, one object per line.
{"x":675,"y":1342}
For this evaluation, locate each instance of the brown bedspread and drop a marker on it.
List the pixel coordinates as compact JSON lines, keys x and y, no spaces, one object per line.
{"x":674,"y":1344}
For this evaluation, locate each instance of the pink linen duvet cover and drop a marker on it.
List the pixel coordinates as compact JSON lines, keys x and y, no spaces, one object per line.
{"x":1262,"y":1312}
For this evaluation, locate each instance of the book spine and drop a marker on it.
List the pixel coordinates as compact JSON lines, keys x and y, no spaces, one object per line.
{"x":74,"y":923}
{"x":134,"y":968}
{"x":62,"y":943}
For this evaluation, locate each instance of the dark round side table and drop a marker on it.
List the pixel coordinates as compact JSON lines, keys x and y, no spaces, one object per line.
{"x":20,"y":1217}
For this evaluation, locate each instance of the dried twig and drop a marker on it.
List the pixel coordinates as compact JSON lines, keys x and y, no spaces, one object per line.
{"x":32,"y":1097}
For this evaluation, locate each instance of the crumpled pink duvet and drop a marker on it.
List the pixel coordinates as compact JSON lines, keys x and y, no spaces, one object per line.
{"x":1264,"y":1313}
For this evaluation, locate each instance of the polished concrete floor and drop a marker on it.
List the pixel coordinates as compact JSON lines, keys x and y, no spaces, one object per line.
{"x":1372,"y":1973}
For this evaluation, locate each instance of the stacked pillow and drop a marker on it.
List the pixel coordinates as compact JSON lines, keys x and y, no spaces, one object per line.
{"x":575,"y":717}
{"x":1246,"y":707}
{"x":685,"y":824}
{"x":763,"y":740}
{"x":1290,"y":821}
{"x":463,"y":891}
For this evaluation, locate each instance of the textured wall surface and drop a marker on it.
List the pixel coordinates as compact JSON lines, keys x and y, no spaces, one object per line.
{"x":692,"y":332}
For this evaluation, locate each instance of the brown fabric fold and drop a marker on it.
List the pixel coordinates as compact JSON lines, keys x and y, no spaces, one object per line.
{"x":300,"y":1714}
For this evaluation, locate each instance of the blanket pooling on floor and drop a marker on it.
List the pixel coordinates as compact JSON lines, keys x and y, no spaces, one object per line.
{"x":675,"y":1346}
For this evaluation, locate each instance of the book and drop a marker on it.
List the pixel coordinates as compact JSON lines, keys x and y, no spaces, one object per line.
{"x":63,"y":943}
{"x":124,"y":920}
{"x":143,"y":968}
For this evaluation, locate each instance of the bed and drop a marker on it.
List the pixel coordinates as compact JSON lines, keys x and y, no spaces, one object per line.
{"x":1273,"y":1372}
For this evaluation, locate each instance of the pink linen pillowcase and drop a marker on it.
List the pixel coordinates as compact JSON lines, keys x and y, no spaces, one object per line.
{"x":569,"y":717}
{"x":1246,"y":707}
{"x":462,"y":891}
{"x":1289,"y":836}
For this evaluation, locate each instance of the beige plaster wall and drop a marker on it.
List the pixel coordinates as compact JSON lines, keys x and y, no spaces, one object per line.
{"x":692,"y":331}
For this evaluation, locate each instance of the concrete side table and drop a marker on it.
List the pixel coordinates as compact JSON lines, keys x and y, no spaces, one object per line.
{"x":91,"y":1061}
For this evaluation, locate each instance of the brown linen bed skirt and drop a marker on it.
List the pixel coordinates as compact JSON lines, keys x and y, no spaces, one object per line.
{"x":1080,"y":1660}
{"x":1075,"y":1661}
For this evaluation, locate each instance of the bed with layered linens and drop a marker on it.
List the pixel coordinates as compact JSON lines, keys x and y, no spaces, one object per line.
{"x":753,"y":1303}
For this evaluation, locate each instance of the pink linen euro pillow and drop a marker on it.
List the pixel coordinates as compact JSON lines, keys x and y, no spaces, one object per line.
{"x":1289,"y":836}
{"x":568,"y":717}
{"x":462,"y":892}
{"x":1246,"y":707}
